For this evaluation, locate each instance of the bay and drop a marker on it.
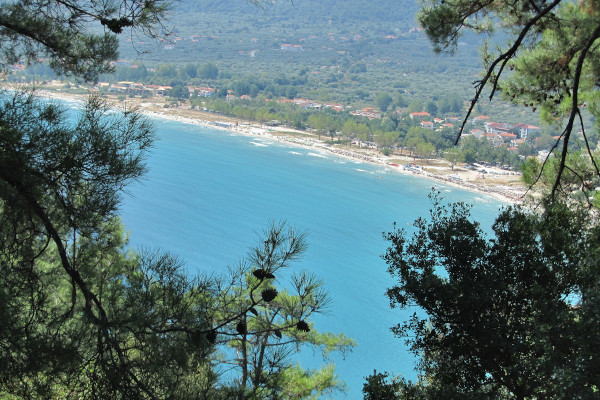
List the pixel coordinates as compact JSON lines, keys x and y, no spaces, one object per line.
{"x":210,"y":193}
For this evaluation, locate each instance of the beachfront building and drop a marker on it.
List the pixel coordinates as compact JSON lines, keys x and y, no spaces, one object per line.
{"x":158,"y":90}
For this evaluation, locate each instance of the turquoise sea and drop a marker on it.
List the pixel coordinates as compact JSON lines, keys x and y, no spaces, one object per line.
{"x":209,"y":193}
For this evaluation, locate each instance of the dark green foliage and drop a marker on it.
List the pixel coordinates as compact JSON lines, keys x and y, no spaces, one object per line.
{"x":82,"y":314}
{"x":377,"y":387}
{"x":179,"y":91}
{"x":551,"y":51}
{"x":208,"y":71}
{"x":59,"y":32}
{"x":505,"y":316}
{"x":383,"y":101}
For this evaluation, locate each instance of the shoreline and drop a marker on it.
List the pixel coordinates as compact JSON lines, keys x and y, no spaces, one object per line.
{"x":307,"y":140}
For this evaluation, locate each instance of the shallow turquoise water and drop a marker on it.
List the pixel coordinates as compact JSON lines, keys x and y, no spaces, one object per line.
{"x":209,"y":193}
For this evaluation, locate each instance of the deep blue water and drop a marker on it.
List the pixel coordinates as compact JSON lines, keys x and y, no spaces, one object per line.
{"x":209,"y":193}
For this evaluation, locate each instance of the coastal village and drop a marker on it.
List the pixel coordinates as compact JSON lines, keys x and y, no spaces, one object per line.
{"x":497,"y":133}
{"x":492,"y":180}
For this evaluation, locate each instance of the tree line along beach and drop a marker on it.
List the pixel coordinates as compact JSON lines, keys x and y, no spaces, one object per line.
{"x":498,"y":183}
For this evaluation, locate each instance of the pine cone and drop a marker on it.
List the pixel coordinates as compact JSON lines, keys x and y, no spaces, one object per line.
{"x":302,"y":326}
{"x":241,"y":327}
{"x":259,"y":273}
{"x":211,"y":336}
{"x":269,"y":294}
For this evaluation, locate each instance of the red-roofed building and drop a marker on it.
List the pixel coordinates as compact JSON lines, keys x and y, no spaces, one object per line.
{"x":419,"y":114}
{"x":497,"y":128}
{"x":526,"y":129}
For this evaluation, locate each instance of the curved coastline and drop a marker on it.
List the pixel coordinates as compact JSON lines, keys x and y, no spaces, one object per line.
{"x":308,"y":140}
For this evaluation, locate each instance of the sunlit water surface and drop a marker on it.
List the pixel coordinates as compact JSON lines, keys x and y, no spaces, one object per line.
{"x":209,"y":193}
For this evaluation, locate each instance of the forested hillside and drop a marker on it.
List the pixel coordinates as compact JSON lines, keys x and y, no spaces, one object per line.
{"x":348,"y":51}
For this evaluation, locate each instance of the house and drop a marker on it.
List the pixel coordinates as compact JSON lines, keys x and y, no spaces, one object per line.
{"x":427,"y":124}
{"x":335,"y":106}
{"x":480,"y":119}
{"x":497,"y":128}
{"x":495,"y":138}
{"x":506,"y":136}
{"x":304,"y":103}
{"x":158,"y":90}
{"x":419,"y":114}
{"x":478,"y":133}
{"x":367,"y":113}
{"x":517,"y":142}
{"x":526,"y":129}
{"x":206,"y":91}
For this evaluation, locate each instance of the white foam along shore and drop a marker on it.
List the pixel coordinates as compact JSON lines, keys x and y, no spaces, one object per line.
{"x":498,"y":192}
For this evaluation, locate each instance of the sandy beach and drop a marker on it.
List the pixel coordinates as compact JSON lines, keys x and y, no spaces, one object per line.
{"x":500,"y":184}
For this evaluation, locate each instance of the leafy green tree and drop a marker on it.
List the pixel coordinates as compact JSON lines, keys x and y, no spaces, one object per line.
{"x":166,"y":71}
{"x":552,"y":52}
{"x":450,"y":103}
{"x":453,"y":156}
{"x":208,"y":71}
{"x":432,"y":108}
{"x":385,"y":139}
{"x":377,"y":387}
{"x":353,"y":129}
{"x":580,"y":178}
{"x":469,"y":155}
{"x":400,"y":101}
{"x":179,"y":92}
{"x":506,"y":317}
{"x":383,"y":101}
{"x":424,"y":149}
{"x":415,"y":106}
{"x":265,"y":326}
{"x":191,"y":70}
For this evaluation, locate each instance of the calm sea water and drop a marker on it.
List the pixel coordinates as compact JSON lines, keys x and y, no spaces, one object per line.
{"x":209,"y":194}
